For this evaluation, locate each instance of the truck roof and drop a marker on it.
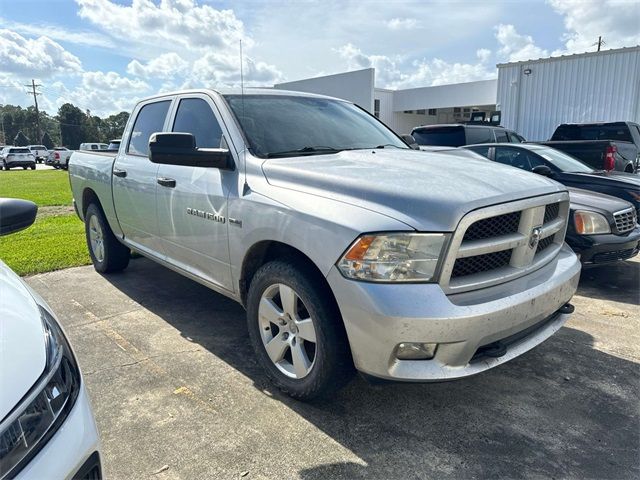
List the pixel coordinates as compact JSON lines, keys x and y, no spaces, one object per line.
{"x":238,"y":91}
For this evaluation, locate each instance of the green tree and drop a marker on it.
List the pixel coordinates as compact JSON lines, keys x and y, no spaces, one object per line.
{"x":115,"y":125}
{"x":72,"y":121}
{"x":21,"y":140}
{"x":47,"y":141}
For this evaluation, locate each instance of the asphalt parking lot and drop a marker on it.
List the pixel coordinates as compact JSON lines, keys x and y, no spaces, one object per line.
{"x":177,"y":393}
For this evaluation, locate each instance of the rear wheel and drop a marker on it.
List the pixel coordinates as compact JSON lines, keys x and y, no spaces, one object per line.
{"x":33,"y":167}
{"x":24,"y":168}
{"x":106,"y":252}
{"x":296,"y":331}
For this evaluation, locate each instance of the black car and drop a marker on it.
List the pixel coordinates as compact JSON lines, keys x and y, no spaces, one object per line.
{"x":564,"y":169}
{"x":457,"y":135}
{"x":602,"y":228}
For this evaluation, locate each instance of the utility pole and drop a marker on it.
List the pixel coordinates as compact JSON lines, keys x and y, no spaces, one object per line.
{"x":600,"y":43}
{"x":35,"y":101}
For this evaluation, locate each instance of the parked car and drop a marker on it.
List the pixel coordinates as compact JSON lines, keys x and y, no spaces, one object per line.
{"x":39,"y":151}
{"x":345,"y":246}
{"x":114,"y":144}
{"x":59,"y":157}
{"x":47,"y":427}
{"x":18,"y":157}
{"x":603,"y":146}
{"x":564,"y":168}
{"x":94,"y":146}
{"x":602,"y":228}
{"x":457,"y":135}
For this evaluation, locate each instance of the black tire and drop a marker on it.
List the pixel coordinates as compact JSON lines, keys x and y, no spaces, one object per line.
{"x":332,"y":366}
{"x":114,"y":256}
{"x":33,"y":167}
{"x":24,"y":168}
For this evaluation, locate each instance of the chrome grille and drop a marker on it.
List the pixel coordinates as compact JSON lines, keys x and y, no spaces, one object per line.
{"x":480,"y":263}
{"x":626,"y":220}
{"x":551,"y":212}
{"x":496,"y":244}
{"x":493,"y":227}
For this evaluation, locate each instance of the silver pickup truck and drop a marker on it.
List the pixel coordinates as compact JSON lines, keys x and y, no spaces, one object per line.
{"x":346,"y":247}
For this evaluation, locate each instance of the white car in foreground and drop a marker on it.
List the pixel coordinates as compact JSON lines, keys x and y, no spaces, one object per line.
{"x":47,"y":428}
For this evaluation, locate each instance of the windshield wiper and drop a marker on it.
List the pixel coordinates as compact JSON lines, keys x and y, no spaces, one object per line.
{"x":390,"y":145}
{"x":319,"y":150}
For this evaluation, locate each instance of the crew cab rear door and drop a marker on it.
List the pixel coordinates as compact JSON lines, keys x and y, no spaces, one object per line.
{"x":134,"y":178}
{"x":192,"y":201}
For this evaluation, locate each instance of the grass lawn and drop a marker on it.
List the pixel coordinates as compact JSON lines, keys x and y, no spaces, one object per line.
{"x":51,"y":243}
{"x":56,"y":239}
{"x":44,"y":187}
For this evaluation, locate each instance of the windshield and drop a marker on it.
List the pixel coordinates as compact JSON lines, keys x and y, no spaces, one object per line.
{"x":441,"y":136}
{"x":562,"y":161}
{"x":288,"y":126}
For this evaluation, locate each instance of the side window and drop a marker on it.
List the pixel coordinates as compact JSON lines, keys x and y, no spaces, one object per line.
{"x":509,"y":156}
{"x":478,"y":135}
{"x":501,"y":136}
{"x":150,"y":119}
{"x":94,"y":147}
{"x":196,"y":117}
{"x":484,"y":151}
{"x":514,"y":137}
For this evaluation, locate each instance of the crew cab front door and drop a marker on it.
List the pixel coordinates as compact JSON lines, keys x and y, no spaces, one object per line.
{"x":134,"y":179}
{"x":192,"y":201}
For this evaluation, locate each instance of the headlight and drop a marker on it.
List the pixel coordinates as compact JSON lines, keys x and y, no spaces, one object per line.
{"x":43,"y":409}
{"x":394,"y":257}
{"x":590,"y":223}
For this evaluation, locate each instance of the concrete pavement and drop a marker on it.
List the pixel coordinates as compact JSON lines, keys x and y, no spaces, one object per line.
{"x":174,"y":383}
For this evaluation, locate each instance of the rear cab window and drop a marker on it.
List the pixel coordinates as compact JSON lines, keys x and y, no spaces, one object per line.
{"x":150,"y":120}
{"x":478,"y":135}
{"x":441,"y":136}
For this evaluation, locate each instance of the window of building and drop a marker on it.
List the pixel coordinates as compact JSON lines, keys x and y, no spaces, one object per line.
{"x":456,"y":110}
{"x":376,"y":108}
{"x":467,"y":110}
{"x":196,"y":117}
{"x":150,"y":120}
{"x":433,"y":112}
{"x":408,"y":111}
{"x":421,"y":112}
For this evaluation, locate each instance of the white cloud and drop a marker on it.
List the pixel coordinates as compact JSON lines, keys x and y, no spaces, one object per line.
{"x":167,"y":65}
{"x":179,"y":38}
{"x":402,"y":24}
{"x":618,"y":22}
{"x":41,"y":56}
{"x":483,"y":54}
{"x":59,"y":33}
{"x":515,"y":47}
{"x":396,"y":72}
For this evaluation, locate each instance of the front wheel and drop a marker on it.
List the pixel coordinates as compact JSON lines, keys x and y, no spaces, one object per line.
{"x":33,"y":167}
{"x":296,"y":331}
{"x":106,"y":252}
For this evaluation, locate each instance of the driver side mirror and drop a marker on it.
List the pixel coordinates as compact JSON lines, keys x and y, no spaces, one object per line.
{"x":542,"y":170}
{"x":409,"y":140}
{"x":16,"y":215}
{"x":180,"y":149}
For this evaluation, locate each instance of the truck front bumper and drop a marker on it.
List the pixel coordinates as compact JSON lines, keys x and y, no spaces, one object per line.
{"x":522,"y":313}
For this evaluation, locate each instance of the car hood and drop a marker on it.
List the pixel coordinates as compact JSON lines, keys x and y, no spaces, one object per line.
{"x":22,"y":341}
{"x":581,"y":199}
{"x":620,"y":179}
{"x":428,"y":191}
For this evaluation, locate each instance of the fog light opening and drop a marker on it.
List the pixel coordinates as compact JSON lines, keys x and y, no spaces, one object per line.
{"x":416,"y":351}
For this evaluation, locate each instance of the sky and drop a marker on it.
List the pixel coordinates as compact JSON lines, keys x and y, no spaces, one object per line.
{"x":104,"y":55}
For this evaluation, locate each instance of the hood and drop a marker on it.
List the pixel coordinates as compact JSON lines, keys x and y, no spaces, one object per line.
{"x":585,"y":199}
{"x":630,"y":181}
{"x":428,"y":191}
{"x":22,"y":343}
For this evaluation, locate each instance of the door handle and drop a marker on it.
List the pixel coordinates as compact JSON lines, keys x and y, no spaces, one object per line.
{"x":167,"y":182}
{"x":119,"y":173}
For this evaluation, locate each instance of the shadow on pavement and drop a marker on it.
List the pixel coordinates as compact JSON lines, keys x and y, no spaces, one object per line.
{"x":564,"y":409}
{"x":617,"y":282}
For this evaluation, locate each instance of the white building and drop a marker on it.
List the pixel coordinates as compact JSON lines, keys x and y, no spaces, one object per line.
{"x":538,"y":95}
{"x":534,"y":97}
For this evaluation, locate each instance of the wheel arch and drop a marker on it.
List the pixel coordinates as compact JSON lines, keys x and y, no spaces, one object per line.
{"x":265,"y":251}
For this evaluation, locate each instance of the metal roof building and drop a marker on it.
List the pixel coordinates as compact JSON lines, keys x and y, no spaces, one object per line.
{"x":536,"y":96}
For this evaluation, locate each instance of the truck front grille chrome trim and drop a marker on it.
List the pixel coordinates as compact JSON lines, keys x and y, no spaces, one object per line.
{"x":478,"y":261}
